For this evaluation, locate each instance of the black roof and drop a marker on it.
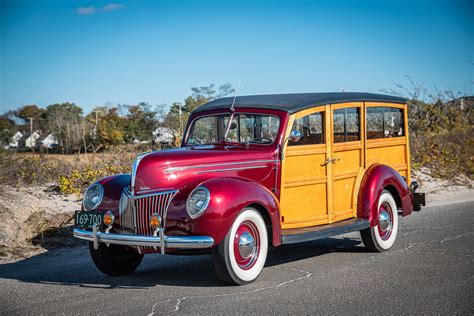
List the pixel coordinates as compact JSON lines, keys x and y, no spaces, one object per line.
{"x":295,"y":102}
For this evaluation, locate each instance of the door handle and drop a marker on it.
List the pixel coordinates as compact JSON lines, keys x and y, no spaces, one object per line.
{"x":329,"y":160}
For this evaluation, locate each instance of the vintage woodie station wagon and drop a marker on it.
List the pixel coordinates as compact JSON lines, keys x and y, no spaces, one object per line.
{"x":254,"y":172}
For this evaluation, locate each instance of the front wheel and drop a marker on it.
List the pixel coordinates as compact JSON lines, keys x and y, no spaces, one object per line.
{"x":382,"y":236}
{"x":241,"y":255}
{"x":115,"y":260}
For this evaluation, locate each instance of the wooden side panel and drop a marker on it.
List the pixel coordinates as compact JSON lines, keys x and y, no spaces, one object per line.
{"x":346,"y":169}
{"x":345,"y":173}
{"x":305,"y":186}
{"x":393,"y":152}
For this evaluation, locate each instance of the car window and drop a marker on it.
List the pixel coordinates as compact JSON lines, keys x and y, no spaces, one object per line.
{"x":253,"y":128}
{"x":311,"y":128}
{"x":384,"y":122}
{"x":346,"y":125}
{"x":208,"y":130}
{"x":244,"y":128}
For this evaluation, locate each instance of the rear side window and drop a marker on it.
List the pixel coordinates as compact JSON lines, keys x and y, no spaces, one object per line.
{"x":311,"y":128}
{"x":384,"y":122}
{"x":346,"y":125}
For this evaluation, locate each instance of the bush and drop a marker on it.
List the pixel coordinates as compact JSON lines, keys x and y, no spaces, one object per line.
{"x":70,"y":173}
{"x":442,"y":137}
{"x":447,"y":154}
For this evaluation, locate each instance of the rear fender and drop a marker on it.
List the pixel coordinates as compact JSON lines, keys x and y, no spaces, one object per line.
{"x":228,"y":197}
{"x":377,"y":178}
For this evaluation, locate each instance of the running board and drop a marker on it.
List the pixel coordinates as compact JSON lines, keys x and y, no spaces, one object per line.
{"x":297,"y":235}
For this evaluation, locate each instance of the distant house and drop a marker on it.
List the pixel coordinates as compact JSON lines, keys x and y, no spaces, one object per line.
{"x":47,"y":141}
{"x":163,"y":135}
{"x":28,"y":140}
{"x":14,"y":140}
{"x":462,"y":103}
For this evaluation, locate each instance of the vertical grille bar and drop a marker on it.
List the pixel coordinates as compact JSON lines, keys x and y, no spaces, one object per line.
{"x":146,"y":206}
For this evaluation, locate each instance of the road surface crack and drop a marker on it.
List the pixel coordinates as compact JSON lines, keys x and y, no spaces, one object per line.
{"x":181,"y":299}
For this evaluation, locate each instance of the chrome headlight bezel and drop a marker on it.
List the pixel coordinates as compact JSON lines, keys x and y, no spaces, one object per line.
{"x":95,"y":205}
{"x":203,"y":208}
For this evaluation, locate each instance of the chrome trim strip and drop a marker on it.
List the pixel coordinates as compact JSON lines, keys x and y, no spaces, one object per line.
{"x":231,"y":169}
{"x":154,"y":192}
{"x":136,"y":197}
{"x":174,"y":169}
{"x":177,"y":242}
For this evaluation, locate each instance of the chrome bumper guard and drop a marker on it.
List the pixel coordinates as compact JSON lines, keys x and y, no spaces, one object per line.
{"x":160,"y":242}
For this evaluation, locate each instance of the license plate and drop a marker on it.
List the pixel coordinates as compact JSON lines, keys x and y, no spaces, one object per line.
{"x":88,"y":219}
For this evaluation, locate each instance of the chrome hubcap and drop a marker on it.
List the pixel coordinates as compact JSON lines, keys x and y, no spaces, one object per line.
{"x":246,"y":245}
{"x":384,"y":220}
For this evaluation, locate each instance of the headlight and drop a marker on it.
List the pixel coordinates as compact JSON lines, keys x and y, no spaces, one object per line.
{"x":93,"y":197}
{"x":198,"y":201}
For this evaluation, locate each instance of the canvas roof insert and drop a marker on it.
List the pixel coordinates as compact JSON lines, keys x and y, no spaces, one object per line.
{"x":295,"y":102}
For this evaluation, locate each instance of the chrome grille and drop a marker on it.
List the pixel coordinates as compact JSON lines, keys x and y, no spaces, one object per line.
{"x":146,"y":206}
{"x":135,"y":211}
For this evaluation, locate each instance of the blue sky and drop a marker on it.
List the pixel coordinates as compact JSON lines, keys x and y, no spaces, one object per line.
{"x":98,"y":52}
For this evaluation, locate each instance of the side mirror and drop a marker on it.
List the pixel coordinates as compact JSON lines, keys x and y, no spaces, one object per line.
{"x":295,"y":136}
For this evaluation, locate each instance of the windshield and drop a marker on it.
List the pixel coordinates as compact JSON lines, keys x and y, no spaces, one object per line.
{"x":244,"y":128}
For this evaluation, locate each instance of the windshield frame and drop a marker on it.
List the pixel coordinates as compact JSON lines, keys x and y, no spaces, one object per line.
{"x":227,"y":128}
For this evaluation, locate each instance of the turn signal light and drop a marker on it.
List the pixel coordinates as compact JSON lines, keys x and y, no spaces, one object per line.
{"x":155,"y":221}
{"x":109,"y":219}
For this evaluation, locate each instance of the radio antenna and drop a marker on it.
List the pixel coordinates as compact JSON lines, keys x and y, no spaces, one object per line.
{"x":235,"y":96}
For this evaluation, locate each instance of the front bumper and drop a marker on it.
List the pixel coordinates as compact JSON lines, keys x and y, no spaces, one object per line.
{"x":175,"y":242}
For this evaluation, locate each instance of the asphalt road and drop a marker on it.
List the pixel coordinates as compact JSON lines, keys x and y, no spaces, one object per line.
{"x":430,"y":270}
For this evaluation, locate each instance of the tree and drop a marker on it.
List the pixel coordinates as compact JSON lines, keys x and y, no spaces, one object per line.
{"x":66,"y":122}
{"x":200,"y":96}
{"x":106,"y":127}
{"x":140,"y":123}
{"x":32,"y":111}
{"x":6,"y":130}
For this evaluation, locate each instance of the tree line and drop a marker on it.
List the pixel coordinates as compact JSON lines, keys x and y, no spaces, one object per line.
{"x":107,"y":126}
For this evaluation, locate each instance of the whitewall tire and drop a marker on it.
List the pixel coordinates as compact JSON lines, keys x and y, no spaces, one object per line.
{"x":382,"y":236}
{"x":241,"y":255}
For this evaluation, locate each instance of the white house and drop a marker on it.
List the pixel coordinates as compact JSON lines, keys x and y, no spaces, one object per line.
{"x":30,"y":142}
{"x":48,"y":141}
{"x":163,"y":135}
{"x":14,"y":140}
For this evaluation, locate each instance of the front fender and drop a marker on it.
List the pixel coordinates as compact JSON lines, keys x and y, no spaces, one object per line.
{"x":113,"y":187}
{"x":377,"y":178}
{"x":228,"y":197}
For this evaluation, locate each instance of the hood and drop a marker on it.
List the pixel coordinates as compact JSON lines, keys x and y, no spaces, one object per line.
{"x":172,"y":169}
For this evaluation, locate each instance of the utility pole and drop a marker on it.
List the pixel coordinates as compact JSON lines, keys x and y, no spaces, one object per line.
{"x":96,"y":122}
{"x":31,"y":133}
{"x":31,"y":125}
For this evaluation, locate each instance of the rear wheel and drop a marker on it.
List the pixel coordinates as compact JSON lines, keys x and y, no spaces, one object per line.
{"x":241,"y":255}
{"x":115,"y":260}
{"x":382,"y":236}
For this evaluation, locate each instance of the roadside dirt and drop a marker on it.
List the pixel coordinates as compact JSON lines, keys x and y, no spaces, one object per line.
{"x":33,"y":220}
{"x":439,"y":191}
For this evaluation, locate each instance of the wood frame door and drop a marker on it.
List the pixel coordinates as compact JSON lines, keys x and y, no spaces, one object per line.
{"x":304,"y":199}
{"x":347,"y":154}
